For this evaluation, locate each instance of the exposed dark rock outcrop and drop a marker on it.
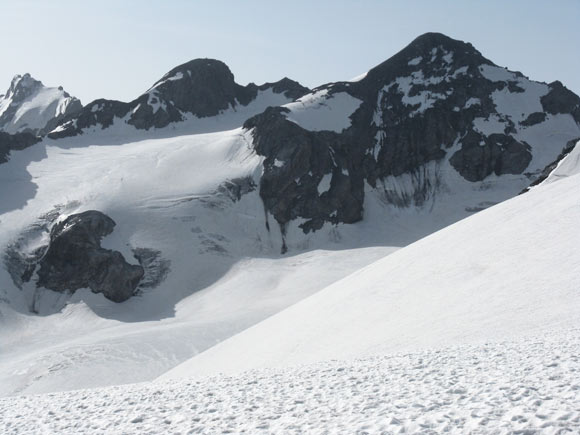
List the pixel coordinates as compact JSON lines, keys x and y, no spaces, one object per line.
{"x":561,"y":100}
{"x":496,"y":154}
{"x":533,"y":119}
{"x":433,"y":100}
{"x":23,"y":254}
{"x":15,"y":142}
{"x":201,"y":87}
{"x":291,"y":190}
{"x":74,"y":259}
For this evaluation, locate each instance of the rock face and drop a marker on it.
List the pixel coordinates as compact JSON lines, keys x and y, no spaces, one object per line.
{"x":438,"y":101}
{"x":74,"y":259}
{"x":201,"y":87}
{"x":15,"y":142}
{"x":31,"y":107}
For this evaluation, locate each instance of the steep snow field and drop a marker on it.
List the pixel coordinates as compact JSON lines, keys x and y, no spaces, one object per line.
{"x":509,"y":270}
{"x":93,"y":343}
{"x":529,"y":385}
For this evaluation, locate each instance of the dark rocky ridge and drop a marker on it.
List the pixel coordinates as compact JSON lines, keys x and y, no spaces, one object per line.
{"x":389,"y":136}
{"x":201,"y":87}
{"x":74,"y":259}
{"x":15,"y":142}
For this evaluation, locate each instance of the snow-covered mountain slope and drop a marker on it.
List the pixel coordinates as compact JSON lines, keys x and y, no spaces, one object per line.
{"x":507,"y":271}
{"x":217,"y":270}
{"x":207,"y":216}
{"x":29,"y":106}
{"x":528,"y":385}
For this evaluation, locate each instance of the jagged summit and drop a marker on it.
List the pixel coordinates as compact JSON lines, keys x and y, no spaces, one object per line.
{"x":30,"y":107}
{"x":22,"y":86}
{"x":200,"y":88}
{"x":435,"y":110}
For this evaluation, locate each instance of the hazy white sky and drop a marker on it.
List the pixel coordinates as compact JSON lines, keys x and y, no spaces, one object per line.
{"x":117,"y":49}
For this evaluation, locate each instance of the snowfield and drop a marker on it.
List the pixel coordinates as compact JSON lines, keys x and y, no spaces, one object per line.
{"x":226,"y":271}
{"x":529,"y":385}
{"x":509,"y":270}
{"x":478,"y":334}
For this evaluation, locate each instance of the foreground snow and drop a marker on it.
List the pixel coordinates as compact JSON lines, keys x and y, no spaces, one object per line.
{"x":508,"y":270}
{"x":530,"y":384}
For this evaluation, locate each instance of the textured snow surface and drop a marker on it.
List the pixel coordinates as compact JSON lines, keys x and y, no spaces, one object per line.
{"x":508,"y":270}
{"x":529,"y":385}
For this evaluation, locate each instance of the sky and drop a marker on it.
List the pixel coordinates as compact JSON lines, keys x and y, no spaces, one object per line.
{"x":118,"y":49}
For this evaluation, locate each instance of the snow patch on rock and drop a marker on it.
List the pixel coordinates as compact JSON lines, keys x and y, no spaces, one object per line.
{"x":322,"y":110}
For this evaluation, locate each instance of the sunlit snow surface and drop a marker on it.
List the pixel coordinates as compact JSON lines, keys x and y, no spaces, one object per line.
{"x":323,"y":111}
{"x":528,"y":385}
{"x":509,"y":270}
{"x":227,"y":273}
{"x":226,"y":269}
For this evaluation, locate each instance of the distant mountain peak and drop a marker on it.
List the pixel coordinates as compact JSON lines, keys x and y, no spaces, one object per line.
{"x":22,"y":86}
{"x":29,"y":106}
{"x":436,"y":104}
{"x":433,"y":52}
{"x":200,"y":88}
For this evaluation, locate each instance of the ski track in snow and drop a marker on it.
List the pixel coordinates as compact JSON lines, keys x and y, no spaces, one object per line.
{"x":529,"y":385}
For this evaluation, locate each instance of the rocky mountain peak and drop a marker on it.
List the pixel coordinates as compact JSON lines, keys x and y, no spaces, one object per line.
{"x":200,"y":88}
{"x":22,"y":86}
{"x":426,"y":42}
{"x":30,"y":107}
{"x":434,"y":54}
{"x":201,"y":71}
{"x":435,"y":108}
